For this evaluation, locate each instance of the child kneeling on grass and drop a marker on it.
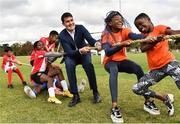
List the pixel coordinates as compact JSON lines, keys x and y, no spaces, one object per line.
{"x":41,"y":72}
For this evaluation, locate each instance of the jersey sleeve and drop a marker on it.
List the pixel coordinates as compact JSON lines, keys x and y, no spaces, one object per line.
{"x":126,"y":32}
{"x":104,"y":37}
{"x":32,"y":55}
{"x":13,"y":57}
{"x":162,"y":29}
{"x":39,"y":54}
{"x":5,"y":58}
{"x":43,"y":40}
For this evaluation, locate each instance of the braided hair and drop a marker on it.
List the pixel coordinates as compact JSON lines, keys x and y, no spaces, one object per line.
{"x":109,"y":17}
{"x":108,"y":31}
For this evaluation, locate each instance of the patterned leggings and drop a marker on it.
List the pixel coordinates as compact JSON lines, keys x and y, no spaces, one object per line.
{"x":171,"y":69}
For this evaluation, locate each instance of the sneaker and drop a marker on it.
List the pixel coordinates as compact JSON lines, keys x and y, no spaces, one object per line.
{"x":10,"y":86}
{"x":81,"y":86}
{"x":169,"y":104}
{"x":67,"y":93}
{"x":24,"y":83}
{"x":54,"y":100}
{"x":116,"y":115}
{"x":151,"y":108}
{"x":29,"y":92}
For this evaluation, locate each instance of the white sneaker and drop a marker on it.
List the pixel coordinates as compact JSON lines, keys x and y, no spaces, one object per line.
{"x":81,"y":86}
{"x":171,"y":97}
{"x":169,"y":104}
{"x":29,"y":92}
{"x":151,"y":108}
{"x":116,"y":115}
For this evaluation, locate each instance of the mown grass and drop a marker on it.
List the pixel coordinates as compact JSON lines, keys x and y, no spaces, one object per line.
{"x":15,"y":106}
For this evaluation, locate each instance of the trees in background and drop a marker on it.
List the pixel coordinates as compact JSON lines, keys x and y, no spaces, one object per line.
{"x":26,"y":48}
{"x":19,"y":49}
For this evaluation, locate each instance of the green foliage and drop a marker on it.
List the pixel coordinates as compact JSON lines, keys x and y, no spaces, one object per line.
{"x":19,"y":49}
{"x":22,"y":50}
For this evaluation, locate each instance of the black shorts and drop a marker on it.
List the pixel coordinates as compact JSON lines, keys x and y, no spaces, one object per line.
{"x":36,"y":77}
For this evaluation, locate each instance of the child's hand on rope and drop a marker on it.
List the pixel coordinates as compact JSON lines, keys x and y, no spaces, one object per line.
{"x":160,"y":38}
{"x":151,"y":39}
{"x":123,"y":44}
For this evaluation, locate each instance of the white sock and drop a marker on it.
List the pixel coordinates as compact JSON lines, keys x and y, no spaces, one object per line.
{"x":54,"y":83}
{"x":51,"y":92}
{"x":64,"y":85}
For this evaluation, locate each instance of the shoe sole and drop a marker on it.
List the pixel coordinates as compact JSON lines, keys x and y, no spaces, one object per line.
{"x":114,"y":120}
{"x":74,"y":104}
{"x":68,"y":95}
{"x":29,"y":92}
{"x":151,"y":112}
{"x":52,"y":101}
{"x":171,"y":97}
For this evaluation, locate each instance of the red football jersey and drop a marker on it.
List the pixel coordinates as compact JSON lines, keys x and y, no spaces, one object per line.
{"x":48,"y":46}
{"x":40,"y":62}
{"x":6,"y":61}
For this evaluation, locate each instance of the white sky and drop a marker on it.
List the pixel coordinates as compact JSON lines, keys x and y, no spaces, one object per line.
{"x":28,"y":20}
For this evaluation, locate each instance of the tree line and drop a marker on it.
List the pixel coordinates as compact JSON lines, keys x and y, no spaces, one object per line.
{"x":26,"y":48}
{"x":18,"y":48}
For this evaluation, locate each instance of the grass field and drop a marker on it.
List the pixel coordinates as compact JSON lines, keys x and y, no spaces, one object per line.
{"x":15,"y":106}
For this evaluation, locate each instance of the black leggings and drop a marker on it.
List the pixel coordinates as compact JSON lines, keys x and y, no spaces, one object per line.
{"x":113,"y":67}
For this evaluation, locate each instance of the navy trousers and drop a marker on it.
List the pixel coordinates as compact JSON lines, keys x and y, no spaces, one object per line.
{"x":85,"y":61}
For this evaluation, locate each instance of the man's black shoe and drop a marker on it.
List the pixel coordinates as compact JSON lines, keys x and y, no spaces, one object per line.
{"x":75,"y":100}
{"x":24,"y":83}
{"x":97,"y":97}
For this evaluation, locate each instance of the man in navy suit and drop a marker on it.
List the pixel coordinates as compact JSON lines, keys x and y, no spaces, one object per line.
{"x":77,"y":52}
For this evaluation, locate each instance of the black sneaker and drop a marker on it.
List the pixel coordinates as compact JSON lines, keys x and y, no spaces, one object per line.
{"x":75,"y":100}
{"x":97,"y":97}
{"x":24,"y":83}
{"x":169,"y":104}
{"x":151,"y":108}
{"x":10,"y":86}
{"x":116,"y":115}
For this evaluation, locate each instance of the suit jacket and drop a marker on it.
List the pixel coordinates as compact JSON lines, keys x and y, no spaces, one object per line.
{"x":70,"y":46}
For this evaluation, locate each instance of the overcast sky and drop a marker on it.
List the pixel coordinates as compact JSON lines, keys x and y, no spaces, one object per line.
{"x":28,"y":20}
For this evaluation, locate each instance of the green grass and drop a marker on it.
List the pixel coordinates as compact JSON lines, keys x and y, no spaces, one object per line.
{"x":15,"y":106}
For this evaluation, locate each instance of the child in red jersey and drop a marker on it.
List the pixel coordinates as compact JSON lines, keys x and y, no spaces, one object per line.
{"x":49,"y":45}
{"x":161,"y":63}
{"x":40,"y":72}
{"x":9,"y":66}
{"x":49,"y":42}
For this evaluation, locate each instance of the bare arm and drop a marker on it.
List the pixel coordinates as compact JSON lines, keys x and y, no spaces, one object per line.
{"x":16,"y":61}
{"x":171,"y":32}
{"x":147,"y":46}
{"x":150,"y":43}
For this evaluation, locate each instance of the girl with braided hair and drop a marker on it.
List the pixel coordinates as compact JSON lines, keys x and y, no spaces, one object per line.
{"x":115,"y":39}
